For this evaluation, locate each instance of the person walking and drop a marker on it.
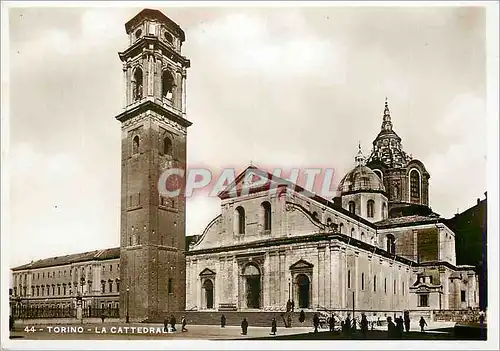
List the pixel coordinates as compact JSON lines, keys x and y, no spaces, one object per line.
{"x":390,"y":327}
{"x":364,"y":325}
{"x":183,"y":321}
{"x":244,"y":326}
{"x":316,"y":322}
{"x":165,"y":324}
{"x":347,"y":325}
{"x":274,"y":327}
{"x":331,"y":323}
{"x":222,"y":321}
{"x":302,"y":316}
{"x":407,"y":322}
{"x":173,"y":322}
{"x":422,"y":324}
{"x":399,"y":326}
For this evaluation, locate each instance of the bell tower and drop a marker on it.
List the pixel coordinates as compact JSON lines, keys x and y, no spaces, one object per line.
{"x":154,"y":128}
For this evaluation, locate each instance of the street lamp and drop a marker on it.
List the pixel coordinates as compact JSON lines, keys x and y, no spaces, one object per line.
{"x":127,"y":317}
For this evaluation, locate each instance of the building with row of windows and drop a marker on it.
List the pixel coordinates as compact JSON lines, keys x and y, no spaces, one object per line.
{"x":377,"y":246}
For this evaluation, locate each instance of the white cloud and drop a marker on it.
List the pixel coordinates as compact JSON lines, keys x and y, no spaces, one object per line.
{"x":458,"y":170}
{"x":249,"y":43}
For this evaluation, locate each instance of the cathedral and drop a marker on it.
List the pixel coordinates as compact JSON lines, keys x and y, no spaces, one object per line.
{"x":376,"y":246}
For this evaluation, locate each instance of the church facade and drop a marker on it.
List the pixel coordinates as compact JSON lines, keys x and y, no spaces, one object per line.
{"x":377,"y":246}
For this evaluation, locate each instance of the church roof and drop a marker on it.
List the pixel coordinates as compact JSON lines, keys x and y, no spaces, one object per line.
{"x":387,"y":147}
{"x":408,"y":220}
{"x":360,"y":178}
{"x":155,"y":15}
{"x":105,"y":254}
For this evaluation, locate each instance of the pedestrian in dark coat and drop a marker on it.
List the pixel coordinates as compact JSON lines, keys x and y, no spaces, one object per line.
{"x":274,"y":327}
{"x":400,"y":326}
{"x":165,"y":325}
{"x":422,"y":324}
{"x":302,"y":316}
{"x":331,"y":323}
{"x":407,"y":322}
{"x":184,"y":322}
{"x":244,"y":326}
{"x":173,"y":322}
{"x":316,"y":322}
{"x":390,"y":327}
{"x":222,"y":321}
{"x":347,"y":325}
{"x":364,"y":325}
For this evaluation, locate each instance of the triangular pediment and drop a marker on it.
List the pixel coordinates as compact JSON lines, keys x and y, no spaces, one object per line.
{"x":254,"y":179}
{"x":207,"y":271}
{"x":301,"y":264}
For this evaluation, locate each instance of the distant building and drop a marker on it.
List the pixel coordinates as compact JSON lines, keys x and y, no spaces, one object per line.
{"x":471,"y":228}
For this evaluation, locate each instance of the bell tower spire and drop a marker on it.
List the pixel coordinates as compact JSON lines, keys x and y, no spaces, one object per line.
{"x":387,"y":123}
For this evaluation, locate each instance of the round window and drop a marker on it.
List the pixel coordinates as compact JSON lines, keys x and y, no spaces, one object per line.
{"x":138,"y":33}
{"x":168,"y":37}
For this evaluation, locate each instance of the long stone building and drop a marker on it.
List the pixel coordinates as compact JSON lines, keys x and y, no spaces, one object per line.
{"x":376,"y":246}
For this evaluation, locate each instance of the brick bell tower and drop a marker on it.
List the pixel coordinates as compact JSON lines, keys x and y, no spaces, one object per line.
{"x":152,"y":238}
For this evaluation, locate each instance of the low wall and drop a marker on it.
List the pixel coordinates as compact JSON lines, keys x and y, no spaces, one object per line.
{"x":457,"y":315}
{"x":61,"y":321}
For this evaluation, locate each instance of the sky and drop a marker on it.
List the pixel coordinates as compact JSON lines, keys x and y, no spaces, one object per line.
{"x":285,"y":87}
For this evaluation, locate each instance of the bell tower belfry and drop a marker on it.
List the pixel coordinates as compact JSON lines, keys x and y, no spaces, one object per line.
{"x":154,"y":128}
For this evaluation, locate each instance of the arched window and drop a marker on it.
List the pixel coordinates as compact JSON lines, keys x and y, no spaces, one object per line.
{"x":167,"y":85}
{"x":384,"y":211}
{"x":341,"y":226}
{"x":362,"y":236}
{"x":391,"y":244}
{"x":328,"y":222}
{"x":370,"y":208}
{"x":240,"y":220}
{"x":137,"y":84}
{"x":353,"y":232}
{"x":167,"y":146}
{"x":135,"y":145}
{"x":415,"y":186}
{"x":315,"y":215}
{"x":266,"y":209}
{"x":379,"y":174}
{"x":352,"y":207}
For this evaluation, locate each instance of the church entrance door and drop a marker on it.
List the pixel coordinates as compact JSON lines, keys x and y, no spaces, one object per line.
{"x":304,"y":285}
{"x":252,"y":280}
{"x":209,"y":293}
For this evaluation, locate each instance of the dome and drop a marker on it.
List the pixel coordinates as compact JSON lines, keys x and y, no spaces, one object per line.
{"x":361,"y":178}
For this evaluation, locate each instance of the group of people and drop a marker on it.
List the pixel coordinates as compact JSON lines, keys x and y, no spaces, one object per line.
{"x":169,"y":324}
{"x":395,"y":328}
